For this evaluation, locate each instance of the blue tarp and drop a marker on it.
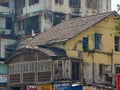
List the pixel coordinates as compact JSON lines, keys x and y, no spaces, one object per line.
{"x":77,"y":87}
{"x":62,"y":86}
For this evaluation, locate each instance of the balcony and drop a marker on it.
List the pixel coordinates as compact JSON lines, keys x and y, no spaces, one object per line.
{"x":5,"y":10}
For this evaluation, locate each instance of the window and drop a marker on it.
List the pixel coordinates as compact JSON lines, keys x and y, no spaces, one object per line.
{"x":8,"y":23}
{"x":25,"y":67}
{"x":74,"y":3}
{"x":75,"y":70}
{"x":47,"y":66}
{"x":98,"y":41}
{"x":29,"y":67}
{"x":19,"y":4}
{"x":117,"y":68}
{"x":33,"y":2}
{"x":85,"y":43}
{"x":100,"y":69}
{"x":92,"y":4}
{"x":32,"y":67}
{"x":59,"y":1}
{"x":44,"y":66}
{"x":60,"y":65}
{"x":11,"y":69}
{"x":117,"y":43}
{"x":58,"y":18}
{"x":17,"y":68}
{"x":30,"y":24}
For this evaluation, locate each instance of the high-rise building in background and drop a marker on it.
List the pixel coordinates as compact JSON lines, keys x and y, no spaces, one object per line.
{"x":39,"y":15}
{"x":22,"y":17}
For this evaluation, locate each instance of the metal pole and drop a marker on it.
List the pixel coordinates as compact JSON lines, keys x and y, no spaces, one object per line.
{"x":111,"y":67}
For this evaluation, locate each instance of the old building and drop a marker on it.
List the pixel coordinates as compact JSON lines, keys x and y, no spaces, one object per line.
{"x":6,"y":39}
{"x":40,"y":15}
{"x":92,"y":41}
{"x":44,"y":67}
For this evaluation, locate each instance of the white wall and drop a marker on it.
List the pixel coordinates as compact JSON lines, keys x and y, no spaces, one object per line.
{"x":3,"y":26}
{"x":2,"y":22}
{"x":5,"y":10}
{"x":33,"y":8}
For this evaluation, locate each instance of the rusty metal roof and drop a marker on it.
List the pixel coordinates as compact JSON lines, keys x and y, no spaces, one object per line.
{"x":67,"y":29}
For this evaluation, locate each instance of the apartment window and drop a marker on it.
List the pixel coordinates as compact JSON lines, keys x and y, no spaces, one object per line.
{"x":85,"y":43}
{"x":117,"y":43}
{"x":33,"y":2}
{"x":75,"y":70}
{"x":30,"y":24}
{"x":8,"y":23}
{"x":59,"y":1}
{"x":19,"y":3}
{"x":58,"y":18}
{"x":98,"y":41}
{"x":117,"y":68}
{"x":74,"y":3}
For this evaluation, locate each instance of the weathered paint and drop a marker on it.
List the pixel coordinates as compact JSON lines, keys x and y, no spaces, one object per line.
{"x":92,"y":59}
{"x":105,"y":28}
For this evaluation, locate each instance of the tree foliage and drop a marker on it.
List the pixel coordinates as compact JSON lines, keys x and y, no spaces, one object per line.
{"x":117,"y":27}
{"x":118,"y":7}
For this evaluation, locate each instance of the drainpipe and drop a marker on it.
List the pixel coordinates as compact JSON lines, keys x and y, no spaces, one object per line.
{"x":111,"y":67}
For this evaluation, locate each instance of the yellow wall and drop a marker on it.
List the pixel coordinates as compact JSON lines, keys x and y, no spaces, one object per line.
{"x":105,"y":28}
{"x":45,"y":87}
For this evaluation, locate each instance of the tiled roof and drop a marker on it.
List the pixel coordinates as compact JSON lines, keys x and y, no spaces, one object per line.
{"x":67,"y":29}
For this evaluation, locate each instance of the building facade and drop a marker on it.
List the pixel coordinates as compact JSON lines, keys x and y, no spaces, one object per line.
{"x":92,"y":41}
{"x":40,"y":15}
{"x":42,"y":69}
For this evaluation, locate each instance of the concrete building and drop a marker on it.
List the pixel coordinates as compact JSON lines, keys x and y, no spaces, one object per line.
{"x":41,"y":15}
{"x":5,"y":40}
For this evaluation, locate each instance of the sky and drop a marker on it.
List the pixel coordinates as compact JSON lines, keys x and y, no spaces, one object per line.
{"x":114,"y":4}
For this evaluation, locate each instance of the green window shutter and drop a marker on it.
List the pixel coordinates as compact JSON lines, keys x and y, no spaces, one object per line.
{"x":96,"y":38}
{"x":85,"y":43}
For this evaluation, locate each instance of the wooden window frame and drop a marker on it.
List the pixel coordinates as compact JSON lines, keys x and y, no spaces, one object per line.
{"x":98,"y":41}
{"x":27,"y":68}
{"x":44,"y":66}
{"x":117,"y":43}
{"x":17,"y":68}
